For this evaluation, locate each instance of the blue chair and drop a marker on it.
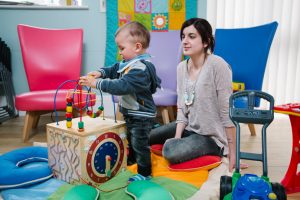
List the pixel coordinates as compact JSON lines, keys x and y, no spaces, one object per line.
{"x":246,"y":50}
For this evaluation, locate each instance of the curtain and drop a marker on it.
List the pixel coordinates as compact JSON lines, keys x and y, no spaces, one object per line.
{"x":282,"y":76}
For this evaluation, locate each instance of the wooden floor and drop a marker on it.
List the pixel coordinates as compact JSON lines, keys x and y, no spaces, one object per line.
{"x":278,"y":135}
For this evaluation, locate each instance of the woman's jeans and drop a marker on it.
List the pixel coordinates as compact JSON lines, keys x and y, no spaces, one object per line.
{"x":138,"y":130}
{"x":191,"y":145}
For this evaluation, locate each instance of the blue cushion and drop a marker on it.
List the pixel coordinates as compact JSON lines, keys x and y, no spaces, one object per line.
{"x":39,"y":191}
{"x":24,"y":166}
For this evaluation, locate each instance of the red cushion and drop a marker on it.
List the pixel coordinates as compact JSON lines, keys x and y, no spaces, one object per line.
{"x":41,"y":100}
{"x":204,"y":163}
{"x":44,"y":100}
{"x":156,"y":149}
{"x":201,"y":163}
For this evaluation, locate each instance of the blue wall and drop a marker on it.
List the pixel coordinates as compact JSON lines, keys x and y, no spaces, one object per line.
{"x":92,"y":21}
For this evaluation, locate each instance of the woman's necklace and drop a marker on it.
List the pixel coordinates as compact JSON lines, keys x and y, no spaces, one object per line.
{"x":189,"y":95}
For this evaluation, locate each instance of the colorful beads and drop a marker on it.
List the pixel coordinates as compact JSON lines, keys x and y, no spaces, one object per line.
{"x":69,"y":110}
{"x":68,"y":115}
{"x":96,"y":114}
{"x":89,"y":112}
{"x":69,"y":100}
{"x":80,"y":126}
{"x":69,"y":124}
{"x":81,"y":105}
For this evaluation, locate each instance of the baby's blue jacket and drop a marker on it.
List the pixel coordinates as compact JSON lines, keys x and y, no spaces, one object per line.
{"x":135,"y":86}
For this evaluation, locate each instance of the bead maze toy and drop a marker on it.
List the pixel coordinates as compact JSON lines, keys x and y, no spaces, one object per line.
{"x":251,"y":186}
{"x":81,"y":100}
{"x":291,"y":180}
{"x":91,"y":153}
{"x":92,"y":156}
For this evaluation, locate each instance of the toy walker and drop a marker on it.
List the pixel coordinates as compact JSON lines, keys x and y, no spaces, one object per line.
{"x":251,"y":186}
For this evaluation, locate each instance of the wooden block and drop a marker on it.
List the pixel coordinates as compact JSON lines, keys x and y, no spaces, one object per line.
{"x":93,"y":156}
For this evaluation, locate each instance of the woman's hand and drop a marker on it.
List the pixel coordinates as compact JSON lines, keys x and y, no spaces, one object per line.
{"x":232,"y":159}
{"x":231,"y":139}
{"x":95,"y":74}
{"x":179,"y":129}
{"x":89,"y":81}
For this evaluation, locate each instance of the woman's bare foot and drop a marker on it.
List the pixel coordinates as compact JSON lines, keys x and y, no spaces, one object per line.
{"x":244,"y":165}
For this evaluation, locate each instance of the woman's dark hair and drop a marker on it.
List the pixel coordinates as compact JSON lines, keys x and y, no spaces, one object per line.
{"x":204,"y":29}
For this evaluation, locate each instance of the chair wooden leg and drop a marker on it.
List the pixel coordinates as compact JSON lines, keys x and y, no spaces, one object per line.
{"x":165,"y":115}
{"x":29,"y":120}
{"x":36,"y":117}
{"x":174,"y":108}
{"x":252,"y":129}
{"x":35,"y":121}
{"x":171,"y":113}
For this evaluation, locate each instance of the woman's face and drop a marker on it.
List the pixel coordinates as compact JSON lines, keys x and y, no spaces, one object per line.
{"x":192,"y":42}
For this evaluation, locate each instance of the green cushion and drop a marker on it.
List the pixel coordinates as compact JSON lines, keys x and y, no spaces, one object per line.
{"x":147,"y":190}
{"x":82,"y":192}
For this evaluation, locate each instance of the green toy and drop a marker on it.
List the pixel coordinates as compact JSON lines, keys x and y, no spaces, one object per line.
{"x":82,"y":192}
{"x":148,"y":190}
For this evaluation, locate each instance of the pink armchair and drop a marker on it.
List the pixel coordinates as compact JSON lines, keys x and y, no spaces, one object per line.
{"x":50,"y":57}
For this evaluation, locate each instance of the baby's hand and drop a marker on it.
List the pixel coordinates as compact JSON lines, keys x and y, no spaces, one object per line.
{"x":89,"y":81}
{"x":95,"y":74}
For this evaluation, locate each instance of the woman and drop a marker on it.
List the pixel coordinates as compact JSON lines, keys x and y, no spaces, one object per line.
{"x":204,"y":85}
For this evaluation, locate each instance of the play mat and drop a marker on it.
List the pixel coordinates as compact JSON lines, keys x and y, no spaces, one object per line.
{"x":180,"y":184}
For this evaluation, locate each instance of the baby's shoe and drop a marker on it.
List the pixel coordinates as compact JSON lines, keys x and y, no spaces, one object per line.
{"x":139,"y":177}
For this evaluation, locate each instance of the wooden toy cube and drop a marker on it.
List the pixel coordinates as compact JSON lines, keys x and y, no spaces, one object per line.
{"x":92,"y":156}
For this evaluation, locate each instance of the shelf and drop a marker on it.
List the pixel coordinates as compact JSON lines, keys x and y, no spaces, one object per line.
{"x":37,"y":7}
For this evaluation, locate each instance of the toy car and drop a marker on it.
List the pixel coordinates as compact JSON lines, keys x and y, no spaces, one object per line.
{"x":250,"y":186}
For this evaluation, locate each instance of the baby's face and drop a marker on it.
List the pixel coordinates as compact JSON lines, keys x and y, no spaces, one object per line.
{"x":127,"y":47}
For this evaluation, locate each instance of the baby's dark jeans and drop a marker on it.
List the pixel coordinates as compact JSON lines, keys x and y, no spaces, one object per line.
{"x":138,"y":130}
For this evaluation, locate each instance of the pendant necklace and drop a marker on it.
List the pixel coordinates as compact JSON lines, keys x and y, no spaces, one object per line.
{"x":189,"y":95}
